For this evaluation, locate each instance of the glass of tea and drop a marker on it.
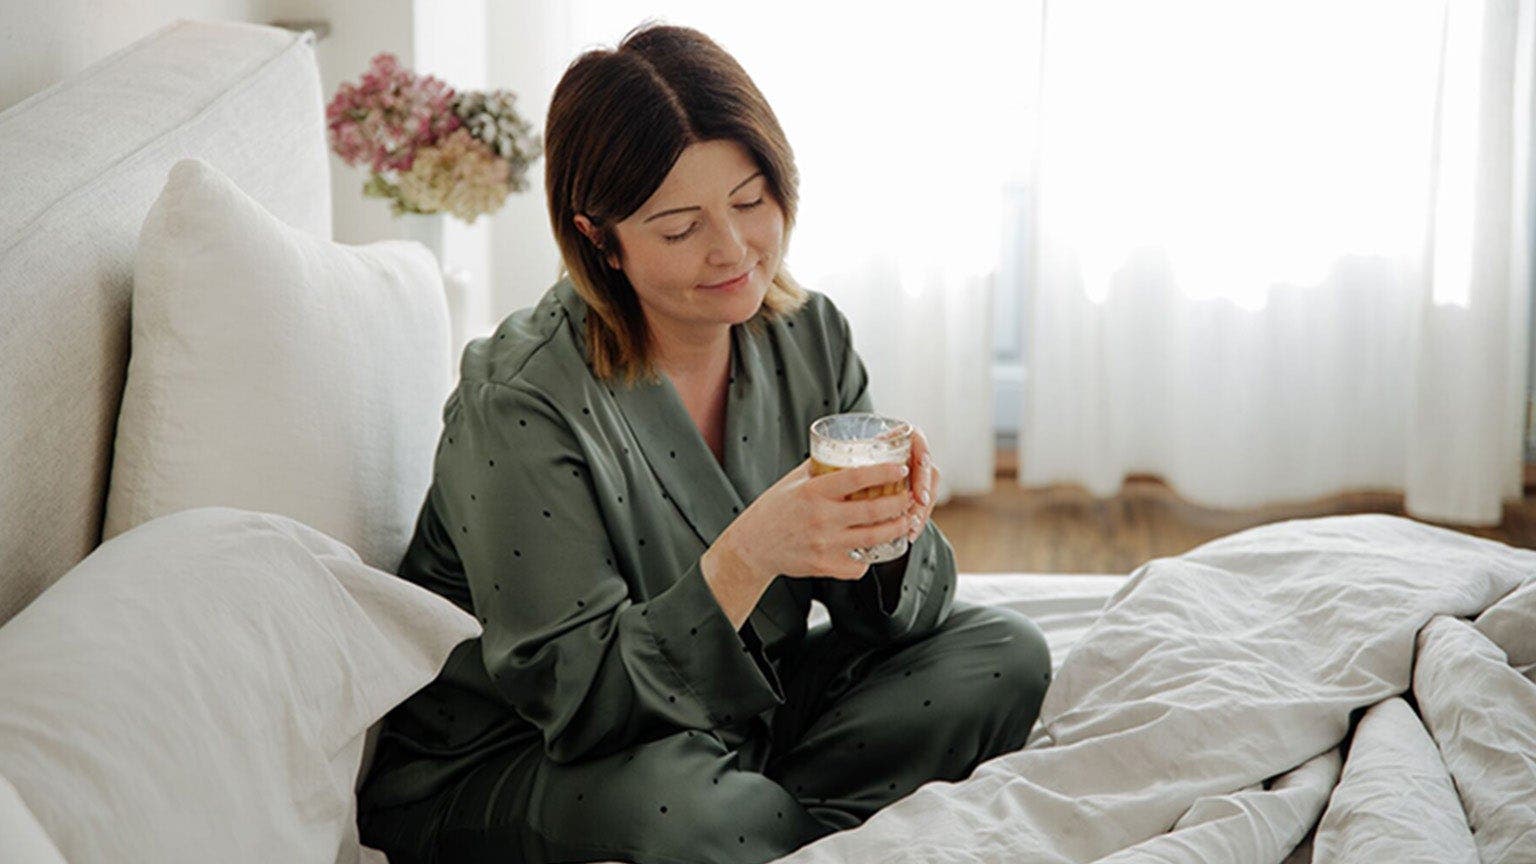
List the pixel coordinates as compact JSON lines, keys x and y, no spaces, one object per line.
{"x":841,"y":441}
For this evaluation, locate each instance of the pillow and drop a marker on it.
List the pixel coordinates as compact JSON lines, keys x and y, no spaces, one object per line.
{"x":22,"y":840}
{"x":274,"y":370}
{"x":198,"y":689}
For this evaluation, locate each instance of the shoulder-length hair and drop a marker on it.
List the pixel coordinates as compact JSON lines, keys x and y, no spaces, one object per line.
{"x":618,"y":121}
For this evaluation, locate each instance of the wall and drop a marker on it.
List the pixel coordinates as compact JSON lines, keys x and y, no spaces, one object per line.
{"x":528,"y":53}
{"x":43,"y":43}
{"x":449,"y":41}
{"x":359,"y":30}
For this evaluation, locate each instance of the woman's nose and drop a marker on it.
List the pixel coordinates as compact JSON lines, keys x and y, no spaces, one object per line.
{"x":726,"y":245}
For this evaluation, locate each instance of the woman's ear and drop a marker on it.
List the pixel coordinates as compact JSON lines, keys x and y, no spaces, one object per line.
{"x":585,"y":226}
{"x":588,"y":230}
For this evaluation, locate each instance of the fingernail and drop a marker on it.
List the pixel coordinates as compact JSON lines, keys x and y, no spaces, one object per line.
{"x":905,"y":470}
{"x":925,"y":497}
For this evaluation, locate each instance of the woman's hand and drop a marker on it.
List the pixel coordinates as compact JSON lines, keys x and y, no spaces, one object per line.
{"x":803,"y":526}
{"x":925,"y":483}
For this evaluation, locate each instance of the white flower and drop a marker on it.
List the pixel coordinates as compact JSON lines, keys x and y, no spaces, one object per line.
{"x":460,"y":175}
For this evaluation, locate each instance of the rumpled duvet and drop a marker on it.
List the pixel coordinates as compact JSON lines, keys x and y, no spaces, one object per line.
{"x":1350,"y":688}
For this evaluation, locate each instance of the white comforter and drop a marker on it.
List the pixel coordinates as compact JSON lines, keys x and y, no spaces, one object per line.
{"x":1202,"y":717}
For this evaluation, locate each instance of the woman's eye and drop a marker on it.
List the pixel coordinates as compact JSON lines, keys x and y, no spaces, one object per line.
{"x":676,"y":238}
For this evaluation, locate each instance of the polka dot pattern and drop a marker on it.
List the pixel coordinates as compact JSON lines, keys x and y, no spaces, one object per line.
{"x":627,"y":488}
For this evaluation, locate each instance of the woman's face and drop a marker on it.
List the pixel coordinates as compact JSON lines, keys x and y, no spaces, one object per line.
{"x":712,"y":220}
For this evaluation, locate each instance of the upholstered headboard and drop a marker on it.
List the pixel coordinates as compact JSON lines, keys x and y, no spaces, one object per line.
{"x":83,"y":161}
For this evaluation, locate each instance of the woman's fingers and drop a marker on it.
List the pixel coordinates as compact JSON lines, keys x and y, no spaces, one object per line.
{"x":839,"y":484}
{"x":872,"y":511}
{"x":921,"y":464}
{"x":838,"y":564}
{"x":922,"y":512}
{"x":865,"y":536}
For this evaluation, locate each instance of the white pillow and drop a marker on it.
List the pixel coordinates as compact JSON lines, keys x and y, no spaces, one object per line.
{"x":198,"y":688}
{"x":274,"y":370}
{"x":22,"y":840}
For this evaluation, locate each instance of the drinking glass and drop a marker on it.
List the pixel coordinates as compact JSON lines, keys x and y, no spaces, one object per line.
{"x":853,"y":440}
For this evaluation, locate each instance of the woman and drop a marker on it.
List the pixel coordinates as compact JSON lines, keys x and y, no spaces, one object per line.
{"x":622,"y":498}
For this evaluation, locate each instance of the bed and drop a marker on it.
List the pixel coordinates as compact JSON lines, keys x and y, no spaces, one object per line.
{"x":1244,"y":702}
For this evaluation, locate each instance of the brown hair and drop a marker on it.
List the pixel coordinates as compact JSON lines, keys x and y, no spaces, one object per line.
{"x":618,"y":121}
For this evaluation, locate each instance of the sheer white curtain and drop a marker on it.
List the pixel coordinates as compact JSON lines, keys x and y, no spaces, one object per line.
{"x":906,"y":123}
{"x":1282,"y":250}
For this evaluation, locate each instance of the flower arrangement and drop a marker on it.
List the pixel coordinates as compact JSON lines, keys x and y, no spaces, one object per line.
{"x":428,"y":148}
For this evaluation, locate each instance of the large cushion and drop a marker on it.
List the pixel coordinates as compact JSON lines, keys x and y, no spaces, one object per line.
{"x":83,"y":161}
{"x":22,"y":840}
{"x":198,"y":689}
{"x":275,"y":370}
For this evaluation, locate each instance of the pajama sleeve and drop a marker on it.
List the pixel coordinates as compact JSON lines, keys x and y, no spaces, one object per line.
{"x":566,"y":643}
{"x":900,"y":599}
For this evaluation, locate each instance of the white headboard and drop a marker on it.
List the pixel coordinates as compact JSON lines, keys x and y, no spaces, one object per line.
{"x":83,"y":161}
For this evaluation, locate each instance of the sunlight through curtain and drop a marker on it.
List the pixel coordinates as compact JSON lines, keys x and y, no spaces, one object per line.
{"x":1281,"y":250}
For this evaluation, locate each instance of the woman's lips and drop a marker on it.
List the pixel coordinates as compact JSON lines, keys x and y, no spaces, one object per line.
{"x":731,"y":283}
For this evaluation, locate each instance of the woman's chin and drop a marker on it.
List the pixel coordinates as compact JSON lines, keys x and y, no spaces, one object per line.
{"x":749,"y":308}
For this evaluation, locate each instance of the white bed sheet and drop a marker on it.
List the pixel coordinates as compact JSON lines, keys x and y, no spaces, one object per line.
{"x":1201,"y":716}
{"x":1064,"y":605}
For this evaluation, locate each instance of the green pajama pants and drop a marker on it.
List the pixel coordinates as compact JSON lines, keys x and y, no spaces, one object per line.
{"x":861,"y":727}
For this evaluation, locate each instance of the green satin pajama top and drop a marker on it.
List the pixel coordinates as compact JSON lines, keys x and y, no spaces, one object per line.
{"x":568,"y":515}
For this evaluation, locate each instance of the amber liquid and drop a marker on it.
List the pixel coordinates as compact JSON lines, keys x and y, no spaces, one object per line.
{"x":898,"y":487}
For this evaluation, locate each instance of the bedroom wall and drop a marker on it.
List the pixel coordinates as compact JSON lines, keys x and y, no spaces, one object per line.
{"x":41,"y":43}
{"x":527,"y":56}
{"x":44,"y":42}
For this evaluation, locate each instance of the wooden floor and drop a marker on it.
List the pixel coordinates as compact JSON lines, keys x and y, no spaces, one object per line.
{"x":1065,"y":530}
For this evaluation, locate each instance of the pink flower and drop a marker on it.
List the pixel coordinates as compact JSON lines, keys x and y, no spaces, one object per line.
{"x":383,"y":119}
